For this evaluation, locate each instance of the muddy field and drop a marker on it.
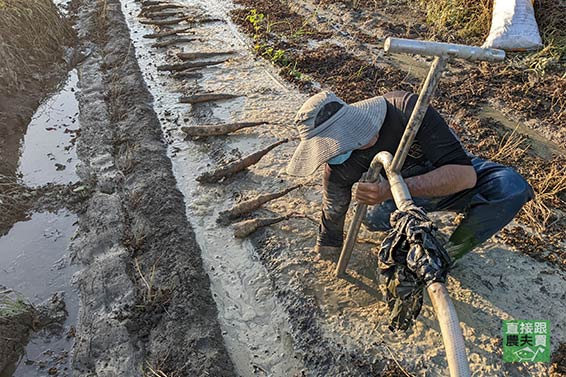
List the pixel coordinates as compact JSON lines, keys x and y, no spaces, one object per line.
{"x":108,"y":205}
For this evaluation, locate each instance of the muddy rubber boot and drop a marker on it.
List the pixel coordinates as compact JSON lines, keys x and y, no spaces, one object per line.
{"x":331,"y":253}
{"x":459,"y":244}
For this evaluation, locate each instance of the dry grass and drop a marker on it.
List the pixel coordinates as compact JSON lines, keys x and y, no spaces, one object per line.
{"x":547,"y":180}
{"x":32,"y":35}
{"x":549,"y":185}
{"x":148,"y":281}
{"x":459,"y":20}
{"x":153,"y":371}
{"x":469,"y":21}
{"x":512,"y":147}
{"x":552,"y":24}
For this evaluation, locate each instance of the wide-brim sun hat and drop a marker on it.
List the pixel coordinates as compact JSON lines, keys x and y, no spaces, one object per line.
{"x":351,"y":127}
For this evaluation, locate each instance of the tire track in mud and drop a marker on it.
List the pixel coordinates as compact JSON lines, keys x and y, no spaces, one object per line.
{"x":145,"y":298}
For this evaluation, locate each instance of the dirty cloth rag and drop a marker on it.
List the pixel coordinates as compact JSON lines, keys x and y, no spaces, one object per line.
{"x":410,"y":259}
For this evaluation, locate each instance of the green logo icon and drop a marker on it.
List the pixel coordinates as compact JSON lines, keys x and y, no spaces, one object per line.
{"x":526,"y":341}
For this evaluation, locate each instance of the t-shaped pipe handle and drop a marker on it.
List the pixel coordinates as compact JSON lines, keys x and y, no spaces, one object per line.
{"x":411,"y":46}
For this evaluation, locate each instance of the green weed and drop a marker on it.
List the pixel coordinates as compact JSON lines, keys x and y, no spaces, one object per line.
{"x":257,"y":21}
{"x":262,"y":27}
{"x":12,"y":304}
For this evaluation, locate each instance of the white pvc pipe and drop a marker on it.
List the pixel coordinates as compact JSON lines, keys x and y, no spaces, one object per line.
{"x":451,"y":331}
{"x":441,"y":302}
{"x":427,"y":48}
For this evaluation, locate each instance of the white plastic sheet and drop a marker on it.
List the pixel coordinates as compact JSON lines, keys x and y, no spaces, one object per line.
{"x":513,"y":26}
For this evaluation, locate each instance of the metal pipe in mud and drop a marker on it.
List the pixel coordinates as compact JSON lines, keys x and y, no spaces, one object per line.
{"x":443,"y":307}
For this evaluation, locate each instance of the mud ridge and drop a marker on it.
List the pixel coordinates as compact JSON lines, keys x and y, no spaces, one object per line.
{"x":145,"y":299}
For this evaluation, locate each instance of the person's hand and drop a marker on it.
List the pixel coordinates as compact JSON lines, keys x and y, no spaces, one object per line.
{"x":328,"y":252}
{"x":373,"y":193}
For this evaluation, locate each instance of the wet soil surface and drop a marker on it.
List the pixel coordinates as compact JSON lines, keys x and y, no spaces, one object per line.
{"x":145,"y":298}
{"x":157,"y":299}
{"x":36,"y":263}
{"x":337,"y":327}
{"x":483,"y":102}
{"x":36,"y":194}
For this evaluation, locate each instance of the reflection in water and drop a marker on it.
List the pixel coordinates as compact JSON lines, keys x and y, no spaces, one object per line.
{"x":48,"y":152}
{"x":34,"y":261}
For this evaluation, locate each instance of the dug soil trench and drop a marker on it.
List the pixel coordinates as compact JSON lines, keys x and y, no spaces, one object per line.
{"x":146,"y":306}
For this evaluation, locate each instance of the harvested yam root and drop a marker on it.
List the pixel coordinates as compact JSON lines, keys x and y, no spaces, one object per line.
{"x":188,"y":74}
{"x":160,"y":7}
{"x":236,"y":166}
{"x":216,"y":130}
{"x":151,"y":3}
{"x":249,"y":205}
{"x":171,"y":21}
{"x":174,"y":21}
{"x":244,"y":228}
{"x":163,"y":15}
{"x":167,"y":33}
{"x":187,"y":65}
{"x":201,"y":55}
{"x":173,"y":41}
{"x":207,"y":97}
{"x":205,"y":20}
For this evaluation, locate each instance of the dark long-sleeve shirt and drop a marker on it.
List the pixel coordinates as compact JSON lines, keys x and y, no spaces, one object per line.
{"x":435,"y":145}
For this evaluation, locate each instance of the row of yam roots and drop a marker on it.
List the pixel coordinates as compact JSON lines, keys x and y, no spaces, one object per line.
{"x":174,"y":23}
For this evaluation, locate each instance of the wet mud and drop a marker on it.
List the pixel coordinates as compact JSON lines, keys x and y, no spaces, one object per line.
{"x":38,"y":306}
{"x":47,"y":152}
{"x":166,"y":289}
{"x":145,"y":298}
{"x":337,"y":327}
{"x":36,"y":267}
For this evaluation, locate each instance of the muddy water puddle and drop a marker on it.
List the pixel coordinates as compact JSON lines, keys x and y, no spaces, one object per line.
{"x":541,"y":145}
{"x":34,"y":261}
{"x":254,"y":326}
{"x":48,"y":152}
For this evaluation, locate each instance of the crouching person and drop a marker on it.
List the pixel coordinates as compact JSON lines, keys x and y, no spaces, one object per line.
{"x":440,"y":174}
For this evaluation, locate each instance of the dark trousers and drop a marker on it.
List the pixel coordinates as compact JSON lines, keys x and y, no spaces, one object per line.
{"x":499,"y":194}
